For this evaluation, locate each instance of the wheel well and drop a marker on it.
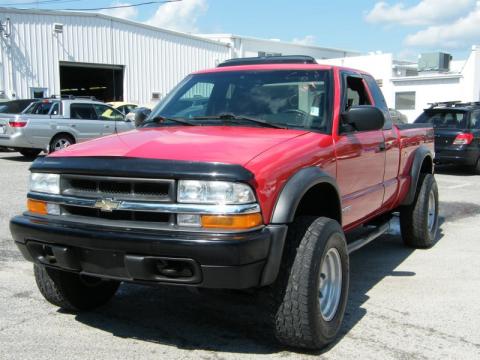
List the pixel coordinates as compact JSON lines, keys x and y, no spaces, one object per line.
{"x":63,"y":133}
{"x":320,"y":200}
{"x":427,"y":166}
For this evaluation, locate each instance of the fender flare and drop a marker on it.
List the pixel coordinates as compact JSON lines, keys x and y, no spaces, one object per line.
{"x":421,"y":154}
{"x":294,"y":190}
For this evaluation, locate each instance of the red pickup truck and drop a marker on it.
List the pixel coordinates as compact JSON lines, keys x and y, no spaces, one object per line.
{"x":248,"y":175}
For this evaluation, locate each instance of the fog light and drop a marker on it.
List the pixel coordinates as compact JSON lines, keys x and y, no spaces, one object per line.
{"x":232,"y":222}
{"x":53,"y":209}
{"x":190,"y":220}
{"x":37,"y":207}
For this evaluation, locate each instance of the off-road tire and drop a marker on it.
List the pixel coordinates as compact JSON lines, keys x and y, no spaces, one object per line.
{"x":30,"y":154}
{"x":414,"y":218}
{"x":72,"y":292}
{"x":293,"y":299}
{"x":58,"y":138}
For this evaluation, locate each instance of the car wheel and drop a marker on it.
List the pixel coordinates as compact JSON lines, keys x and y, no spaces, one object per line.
{"x":30,"y":153}
{"x":307,"y":302}
{"x":60,"y":142}
{"x":419,"y":221}
{"x":72,"y":291}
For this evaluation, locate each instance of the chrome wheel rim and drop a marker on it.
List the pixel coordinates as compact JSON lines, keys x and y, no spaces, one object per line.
{"x":61,"y":144}
{"x":330,"y":289}
{"x":432,"y":209}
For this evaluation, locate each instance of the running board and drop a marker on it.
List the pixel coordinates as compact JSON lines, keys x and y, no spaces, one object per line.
{"x":357,"y":244}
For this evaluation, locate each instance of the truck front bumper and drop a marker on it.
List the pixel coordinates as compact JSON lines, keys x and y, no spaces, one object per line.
{"x":211,"y":260}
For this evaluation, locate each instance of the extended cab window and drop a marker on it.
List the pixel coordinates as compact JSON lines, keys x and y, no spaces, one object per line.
{"x":287,"y":98}
{"x":83,"y":111}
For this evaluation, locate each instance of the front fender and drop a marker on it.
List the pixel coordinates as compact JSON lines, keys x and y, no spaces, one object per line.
{"x":294,"y":190}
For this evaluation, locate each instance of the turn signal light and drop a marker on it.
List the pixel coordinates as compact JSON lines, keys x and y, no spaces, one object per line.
{"x":463,"y":139}
{"x":231,"y":222}
{"x":37,"y":207}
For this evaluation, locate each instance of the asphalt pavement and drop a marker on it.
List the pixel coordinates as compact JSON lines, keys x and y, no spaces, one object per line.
{"x":403,"y":303}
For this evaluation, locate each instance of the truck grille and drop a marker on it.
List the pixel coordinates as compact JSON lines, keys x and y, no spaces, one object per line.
{"x":119,"y":215}
{"x":118,"y":188}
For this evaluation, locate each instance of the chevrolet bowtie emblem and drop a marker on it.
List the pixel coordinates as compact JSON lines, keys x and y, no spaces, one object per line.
{"x":107,"y":205}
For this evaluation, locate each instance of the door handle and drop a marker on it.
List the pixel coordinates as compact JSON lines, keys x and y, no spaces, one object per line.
{"x":107,"y":126}
{"x":73,"y":125}
{"x":381,"y":147}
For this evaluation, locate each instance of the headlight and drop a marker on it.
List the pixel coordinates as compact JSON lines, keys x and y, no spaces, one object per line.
{"x":45,"y":183}
{"x":214,"y":192}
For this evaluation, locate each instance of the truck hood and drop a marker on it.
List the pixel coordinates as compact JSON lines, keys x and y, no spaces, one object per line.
{"x":223,"y":144}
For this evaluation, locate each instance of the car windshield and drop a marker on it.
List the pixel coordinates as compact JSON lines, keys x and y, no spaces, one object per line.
{"x":284,"y":98}
{"x":447,"y":119}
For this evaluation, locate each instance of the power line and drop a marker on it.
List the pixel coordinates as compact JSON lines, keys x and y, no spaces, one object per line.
{"x":124,"y":6}
{"x":39,"y":2}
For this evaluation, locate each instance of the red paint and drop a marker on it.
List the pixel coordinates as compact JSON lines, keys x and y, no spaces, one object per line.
{"x":371,"y":181}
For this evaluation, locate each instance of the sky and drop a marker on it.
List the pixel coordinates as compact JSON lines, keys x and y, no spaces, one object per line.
{"x":404,"y":28}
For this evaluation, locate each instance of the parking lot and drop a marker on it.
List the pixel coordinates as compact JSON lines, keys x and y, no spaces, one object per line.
{"x":403,"y":304}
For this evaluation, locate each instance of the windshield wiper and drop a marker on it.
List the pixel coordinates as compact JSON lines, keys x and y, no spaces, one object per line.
{"x":230,"y":116}
{"x":161,"y":119}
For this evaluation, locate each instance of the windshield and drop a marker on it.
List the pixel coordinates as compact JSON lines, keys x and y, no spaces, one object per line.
{"x":447,"y":119}
{"x":287,"y":98}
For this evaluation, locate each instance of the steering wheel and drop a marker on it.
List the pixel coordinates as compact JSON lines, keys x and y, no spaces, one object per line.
{"x":300,"y":115}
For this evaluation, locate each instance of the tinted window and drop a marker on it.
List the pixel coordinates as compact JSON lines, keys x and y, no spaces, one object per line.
{"x":379,"y":100}
{"x":447,"y":119}
{"x":82,"y":111}
{"x":14,"y":107}
{"x":291,"y":98}
{"x":475,"y":120}
{"x":40,"y":108}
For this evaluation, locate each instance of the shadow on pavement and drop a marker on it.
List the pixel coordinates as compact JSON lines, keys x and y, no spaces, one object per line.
{"x":453,"y":170}
{"x":13,"y":156}
{"x":231,"y":321}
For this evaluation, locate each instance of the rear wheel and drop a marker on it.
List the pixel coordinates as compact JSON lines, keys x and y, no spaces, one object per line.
{"x":308,"y":300}
{"x":419,"y":221}
{"x":60,"y":142}
{"x":30,"y":153}
{"x":72,"y":291}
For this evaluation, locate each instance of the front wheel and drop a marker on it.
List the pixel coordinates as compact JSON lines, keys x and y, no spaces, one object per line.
{"x":310,"y":295}
{"x":72,"y":291}
{"x":419,"y":221}
{"x":60,"y":142}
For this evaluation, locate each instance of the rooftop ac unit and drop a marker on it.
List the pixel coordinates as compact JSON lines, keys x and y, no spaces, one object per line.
{"x":434,"y":62}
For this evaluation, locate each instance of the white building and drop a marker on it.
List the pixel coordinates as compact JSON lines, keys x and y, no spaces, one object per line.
{"x":43,"y":53}
{"x":243,"y":46}
{"x":410,"y":91}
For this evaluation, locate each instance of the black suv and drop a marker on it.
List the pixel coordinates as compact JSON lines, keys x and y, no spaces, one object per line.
{"x":457,"y":133}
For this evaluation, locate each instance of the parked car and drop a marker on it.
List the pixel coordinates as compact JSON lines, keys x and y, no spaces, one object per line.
{"x":255,"y":191}
{"x":397,"y":117}
{"x":123,"y":107}
{"x":15,"y":106}
{"x":457,"y":133}
{"x":52,"y":124}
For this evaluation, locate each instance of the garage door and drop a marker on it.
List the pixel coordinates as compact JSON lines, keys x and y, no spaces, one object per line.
{"x":104,"y":82}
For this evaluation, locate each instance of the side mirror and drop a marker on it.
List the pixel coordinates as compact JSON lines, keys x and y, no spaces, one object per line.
{"x":140,"y":115}
{"x":363,"y":118}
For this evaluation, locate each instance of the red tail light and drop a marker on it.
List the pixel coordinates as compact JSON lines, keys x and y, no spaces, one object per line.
{"x":17,"y":124}
{"x":463,"y":139}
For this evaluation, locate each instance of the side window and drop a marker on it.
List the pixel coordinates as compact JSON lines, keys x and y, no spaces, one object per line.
{"x":475,"y":120}
{"x":379,"y":100}
{"x":355,"y":92}
{"x":105,"y":112}
{"x":82,"y":111}
{"x":55,"y":110}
